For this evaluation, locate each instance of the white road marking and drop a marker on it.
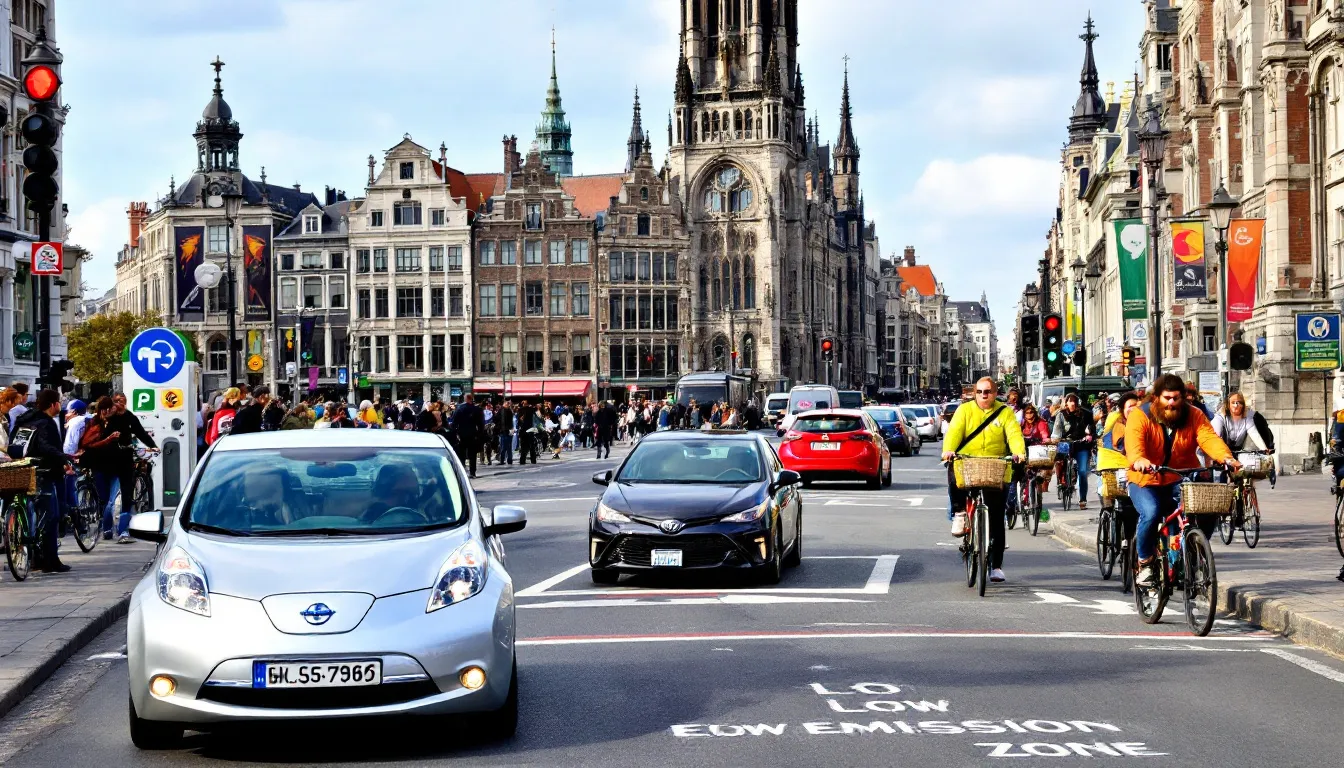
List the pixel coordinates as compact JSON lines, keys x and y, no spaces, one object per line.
{"x":107,"y":656}
{"x":852,"y":503}
{"x":1311,"y":665}
{"x":879,"y":581}
{"x":736,"y":599}
{"x":1102,"y":607}
{"x":1054,"y":597}
{"x":549,"y":501}
{"x":542,"y":586}
{"x":796,"y":636}
{"x":1193,"y":648}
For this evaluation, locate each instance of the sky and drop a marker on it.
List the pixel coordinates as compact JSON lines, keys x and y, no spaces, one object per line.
{"x":960,"y":116}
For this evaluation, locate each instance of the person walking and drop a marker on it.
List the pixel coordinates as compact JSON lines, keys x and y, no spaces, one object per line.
{"x":468,"y":424}
{"x":273,"y":415}
{"x":96,"y":449}
{"x":128,"y":428}
{"x":250,"y":417}
{"x":604,"y":425}
{"x":527,"y":433}
{"x":505,"y":432}
{"x":37,"y":435}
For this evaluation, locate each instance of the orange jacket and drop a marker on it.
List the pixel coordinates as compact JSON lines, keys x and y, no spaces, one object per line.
{"x":1144,"y":440}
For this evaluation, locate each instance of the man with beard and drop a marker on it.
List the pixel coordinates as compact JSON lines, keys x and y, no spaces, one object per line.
{"x":1166,"y":431}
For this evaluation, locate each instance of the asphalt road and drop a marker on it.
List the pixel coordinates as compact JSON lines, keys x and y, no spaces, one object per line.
{"x":873,"y":652}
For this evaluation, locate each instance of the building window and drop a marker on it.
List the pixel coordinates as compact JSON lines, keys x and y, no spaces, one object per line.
{"x":455,"y":301}
{"x":579,"y":299}
{"x":614,"y":303}
{"x":645,"y":312}
{"x":379,"y":259}
{"x":670,"y":271}
{"x":410,"y":302}
{"x":532,"y":252}
{"x":536,"y":358}
{"x":642,"y":225}
{"x":749,"y":284}
{"x":410,"y":353}
{"x":407,"y":171}
{"x":645,"y":259}
{"x":336,"y":290}
{"x":457,"y":349}
{"x":362,"y":261}
{"x":487,"y":253}
{"x":376,"y":219}
{"x":337,"y":260}
{"x":406,"y":214}
{"x":1164,"y":57}
{"x":289,"y":293}
{"x":436,"y":258}
{"x":365,"y":353}
{"x":557,"y":299}
{"x":219,"y":355}
{"x":617,"y":266}
{"x":508,"y":354}
{"x":487,"y":302}
{"x":437,"y":354}
{"x":454,"y":258}
{"x":533,"y":299}
{"x":312,"y":224}
{"x":436,"y":217}
{"x":365,"y":303}
{"x":380,"y":304}
{"x":1209,"y":334}
{"x":382,"y":355}
{"x":217,"y":238}
{"x":286,"y":261}
{"x":559,"y":353}
{"x":580,"y":251}
{"x":408,"y":259}
{"x":643,"y":194}
{"x":659,"y":310}
{"x":508,"y":300}
{"x":533,"y":220}
{"x":508,"y":253}
{"x":311,"y":260}
{"x":485,"y":352}
{"x":557,"y":251}
{"x":582,"y":352}
{"x":436,"y":308}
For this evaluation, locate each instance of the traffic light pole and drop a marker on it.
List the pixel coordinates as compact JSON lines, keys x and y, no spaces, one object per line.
{"x":44,"y":307}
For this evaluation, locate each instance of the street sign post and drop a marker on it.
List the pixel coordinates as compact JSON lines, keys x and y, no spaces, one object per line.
{"x":1035,"y":371}
{"x":159,"y":369}
{"x":47,"y":258}
{"x":1317,"y":341}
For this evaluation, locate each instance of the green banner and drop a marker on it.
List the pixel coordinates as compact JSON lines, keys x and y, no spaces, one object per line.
{"x":1131,"y":250}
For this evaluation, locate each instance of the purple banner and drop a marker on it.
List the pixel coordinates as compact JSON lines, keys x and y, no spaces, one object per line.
{"x":189,"y":250}
{"x":257,"y":261}
{"x":312,"y":378}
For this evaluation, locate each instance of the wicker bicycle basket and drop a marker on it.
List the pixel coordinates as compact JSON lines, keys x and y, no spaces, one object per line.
{"x":1113,"y":483}
{"x":981,"y":473}
{"x":18,"y":477}
{"x":1207,"y":498}
{"x":1041,"y":456}
{"x":1254,"y":466}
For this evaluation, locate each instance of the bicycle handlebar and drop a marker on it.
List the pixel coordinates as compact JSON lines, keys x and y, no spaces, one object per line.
{"x":1182,"y":472}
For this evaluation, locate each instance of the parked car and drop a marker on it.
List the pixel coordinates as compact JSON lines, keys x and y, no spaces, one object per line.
{"x":901,"y":436}
{"x":948,"y":410}
{"x":926,"y":421}
{"x":837,"y":444}
{"x":776,"y":406}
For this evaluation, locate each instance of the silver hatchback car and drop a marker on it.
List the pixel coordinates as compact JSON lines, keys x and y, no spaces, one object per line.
{"x":323,"y":574}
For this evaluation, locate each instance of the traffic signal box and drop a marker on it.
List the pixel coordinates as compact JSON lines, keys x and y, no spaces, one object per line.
{"x":1051,"y":347}
{"x":1031,"y":336}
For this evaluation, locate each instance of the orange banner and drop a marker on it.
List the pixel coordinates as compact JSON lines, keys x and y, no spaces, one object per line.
{"x":1244,"y":238}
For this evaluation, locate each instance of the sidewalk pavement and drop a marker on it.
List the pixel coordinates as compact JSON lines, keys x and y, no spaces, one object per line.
{"x":49,"y":617}
{"x":1287,"y":583}
{"x":486,"y":471}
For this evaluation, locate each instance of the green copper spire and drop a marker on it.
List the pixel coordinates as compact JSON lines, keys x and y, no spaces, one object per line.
{"x":553,"y":134}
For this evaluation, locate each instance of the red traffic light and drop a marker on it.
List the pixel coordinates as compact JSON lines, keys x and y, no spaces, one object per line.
{"x":1052,"y":323}
{"x":826,"y":345}
{"x":41,"y":83}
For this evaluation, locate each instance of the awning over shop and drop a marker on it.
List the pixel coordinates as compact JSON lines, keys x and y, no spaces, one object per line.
{"x":521,"y":387}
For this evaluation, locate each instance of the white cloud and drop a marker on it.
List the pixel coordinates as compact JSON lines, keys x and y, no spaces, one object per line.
{"x":102,"y":228}
{"x":987,"y":186}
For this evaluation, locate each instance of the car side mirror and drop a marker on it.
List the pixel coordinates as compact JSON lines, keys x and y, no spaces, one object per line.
{"x":506,"y":518}
{"x":147,"y":526}
{"x":785,"y":478}
{"x":603,"y":477}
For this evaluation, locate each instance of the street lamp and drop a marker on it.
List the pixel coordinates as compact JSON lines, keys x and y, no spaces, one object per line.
{"x":1078,"y":267}
{"x":1031,"y":299}
{"x":1152,"y":148}
{"x":226,"y":196}
{"x":1220,"y":211}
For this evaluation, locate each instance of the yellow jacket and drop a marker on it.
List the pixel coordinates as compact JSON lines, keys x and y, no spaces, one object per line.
{"x":1002,"y":438}
{"x":1108,"y":458}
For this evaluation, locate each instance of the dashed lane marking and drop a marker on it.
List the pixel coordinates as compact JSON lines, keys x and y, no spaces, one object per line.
{"x":1311,"y":665}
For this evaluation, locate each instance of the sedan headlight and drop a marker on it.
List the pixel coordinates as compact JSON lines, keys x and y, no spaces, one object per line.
{"x":461,"y":576}
{"x":182,"y":582}
{"x":749,"y":515}
{"x":606,"y":514}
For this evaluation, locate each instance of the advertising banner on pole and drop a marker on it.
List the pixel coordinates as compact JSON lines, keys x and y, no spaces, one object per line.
{"x":1245,"y":237}
{"x":189,"y":250}
{"x":257,"y":271}
{"x":1131,"y":250}
{"x":1187,"y":246}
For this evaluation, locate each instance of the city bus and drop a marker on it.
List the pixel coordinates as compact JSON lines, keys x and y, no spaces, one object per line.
{"x":711,"y":387}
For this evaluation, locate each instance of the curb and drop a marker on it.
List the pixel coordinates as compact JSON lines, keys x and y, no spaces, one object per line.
{"x":1276,"y":614}
{"x":14,"y":693}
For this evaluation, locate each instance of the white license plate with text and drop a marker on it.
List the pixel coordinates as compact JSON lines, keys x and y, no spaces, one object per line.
{"x":666,"y":557}
{"x":312,"y":674}
{"x":825,"y":446}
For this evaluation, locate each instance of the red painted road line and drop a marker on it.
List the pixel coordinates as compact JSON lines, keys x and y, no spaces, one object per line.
{"x":912,"y":633}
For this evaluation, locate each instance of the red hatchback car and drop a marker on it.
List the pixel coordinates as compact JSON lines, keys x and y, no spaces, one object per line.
{"x":837,"y":444}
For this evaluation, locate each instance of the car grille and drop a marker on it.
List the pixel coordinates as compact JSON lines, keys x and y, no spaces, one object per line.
{"x":320,"y":698}
{"x":696,"y":550}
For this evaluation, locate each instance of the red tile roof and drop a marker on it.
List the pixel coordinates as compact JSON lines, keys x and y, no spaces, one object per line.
{"x":483,"y":187}
{"x":920,"y":277}
{"x":592,"y":193}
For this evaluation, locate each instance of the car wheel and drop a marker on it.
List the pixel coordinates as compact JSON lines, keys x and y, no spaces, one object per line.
{"x":503,"y":722}
{"x":886,"y":478}
{"x":795,"y":556}
{"x":150,"y":734}
{"x":773,"y":569}
{"x":605,"y":576}
{"x":875,"y":482}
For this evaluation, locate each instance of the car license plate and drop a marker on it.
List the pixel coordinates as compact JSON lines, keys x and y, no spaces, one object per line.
{"x":825,"y":446}
{"x":313,"y":674}
{"x":667,"y":557}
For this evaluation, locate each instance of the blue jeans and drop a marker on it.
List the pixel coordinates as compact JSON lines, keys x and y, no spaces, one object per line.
{"x":506,"y":449}
{"x":108,"y":487}
{"x":47,"y":505}
{"x":1153,"y":503}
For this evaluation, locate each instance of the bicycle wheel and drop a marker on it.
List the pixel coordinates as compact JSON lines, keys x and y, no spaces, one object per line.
{"x":1339,"y":525}
{"x":1127,"y":566}
{"x":1226,"y":529}
{"x":141,"y":500}
{"x":87,"y":517}
{"x":982,"y":546}
{"x":1032,"y":519}
{"x":1066,"y":490}
{"x":1152,"y":599}
{"x":1106,"y":551}
{"x":1201,"y":583}
{"x":18,"y":554}
{"x":968,"y":544}
{"x":1250,"y":520}
{"x":1014,"y":505}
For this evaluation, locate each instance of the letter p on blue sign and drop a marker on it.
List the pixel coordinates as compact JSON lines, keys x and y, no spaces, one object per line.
{"x":142,"y":400}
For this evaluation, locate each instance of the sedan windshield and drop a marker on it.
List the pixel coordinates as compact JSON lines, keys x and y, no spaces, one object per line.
{"x":828,"y":424}
{"x":325,"y":491}
{"x":882,"y":415}
{"x":732,"y":462}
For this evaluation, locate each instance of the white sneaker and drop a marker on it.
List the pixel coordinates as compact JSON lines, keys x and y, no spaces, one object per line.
{"x":124,"y":539}
{"x":996,"y":575}
{"x":959,"y":524}
{"x":1147,"y":576}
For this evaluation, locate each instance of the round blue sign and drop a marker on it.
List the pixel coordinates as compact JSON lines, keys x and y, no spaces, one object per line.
{"x":1068,"y":347}
{"x":157,"y":355}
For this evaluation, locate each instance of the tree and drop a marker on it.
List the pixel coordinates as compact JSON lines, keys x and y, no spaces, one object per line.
{"x":95,"y":345}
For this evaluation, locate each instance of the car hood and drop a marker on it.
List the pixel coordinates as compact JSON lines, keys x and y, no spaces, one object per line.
{"x":685,"y":502}
{"x":255,"y":568}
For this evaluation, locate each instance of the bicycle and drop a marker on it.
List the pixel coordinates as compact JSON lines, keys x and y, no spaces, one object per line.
{"x":1012,"y":505}
{"x":23,"y":528}
{"x":87,"y":518}
{"x":1246,"y":505}
{"x":974,"y":475}
{"x":142,"y":496}
{"x":1337,"y":490}
{"x":1184,"y":556}
{"x":1115,"y":537}
{"x":1069,"y":484}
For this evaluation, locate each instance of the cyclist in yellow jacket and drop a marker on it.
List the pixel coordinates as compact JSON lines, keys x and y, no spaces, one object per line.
{"x":983,"y":427}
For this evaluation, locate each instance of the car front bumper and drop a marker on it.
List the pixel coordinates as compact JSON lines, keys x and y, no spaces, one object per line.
{"x":423,"y":655}
{"x":628,"y":547}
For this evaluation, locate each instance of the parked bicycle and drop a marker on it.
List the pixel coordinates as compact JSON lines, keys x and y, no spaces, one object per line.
{"x":86,"y":513}
{"x":1245,"y":517}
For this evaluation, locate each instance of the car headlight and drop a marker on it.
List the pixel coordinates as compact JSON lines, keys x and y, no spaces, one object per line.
{"x":462,"y":575}
{"x":608,"y":515}
{"x":182,"y":582}
{"x":748,"y":515}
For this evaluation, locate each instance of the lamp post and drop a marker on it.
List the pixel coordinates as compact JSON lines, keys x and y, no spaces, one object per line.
{"x":1152,"y":147}
{"x":1031,"y":298}
{"x":226,"y":195}
{"x":1220,"y":211}
{"x":1078,"y":266}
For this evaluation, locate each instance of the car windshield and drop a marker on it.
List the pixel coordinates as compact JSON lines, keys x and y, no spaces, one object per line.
{"x":777,"y":403}
{"x":851,"y":399}
{"x":325,"y":491}
{"x":730,"y":462}
{"x":827,"y":424}
{"x":809,"y":400}
{"x":882,"y":415}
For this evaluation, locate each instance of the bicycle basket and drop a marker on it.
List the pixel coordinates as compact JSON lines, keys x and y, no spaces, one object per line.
{"x":1206,"y":498}
{"x":1041,"y":456}
{"x":1114,"y":483}
{"x":982,"y":473}
{"x":18,"y":477}
{"x":1254,"y":466}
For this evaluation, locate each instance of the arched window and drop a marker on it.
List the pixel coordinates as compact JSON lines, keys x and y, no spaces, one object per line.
{"x":737,"y":124}
{"x":718,"y":352}
{"x":726,"y":125}
{"x":219,"y":354}
{"x":704,"y":125}
{"x":737,"y":284}
{"x":704,"y":288}
{"x":749,"y":284}
{"x":716,"y":123}
{"x":785,"y":355}
{"x":748,"y":121}
{"x":748,"y":355}
{"x":727,"y":190}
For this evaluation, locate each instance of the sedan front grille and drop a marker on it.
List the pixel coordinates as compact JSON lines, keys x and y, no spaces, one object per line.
{"x":320,"y":698}
{"x":697,"y":550}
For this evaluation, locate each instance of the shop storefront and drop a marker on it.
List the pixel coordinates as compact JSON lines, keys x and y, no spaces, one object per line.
{"x":557,"y":390}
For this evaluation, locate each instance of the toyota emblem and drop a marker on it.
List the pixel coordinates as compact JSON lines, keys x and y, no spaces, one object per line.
{"x":671,"y":526}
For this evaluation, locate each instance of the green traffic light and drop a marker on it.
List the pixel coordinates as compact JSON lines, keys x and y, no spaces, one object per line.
{"x":1051,"y":356}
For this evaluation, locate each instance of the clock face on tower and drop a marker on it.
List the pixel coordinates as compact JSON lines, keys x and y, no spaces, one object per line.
{"x":727,"y":192}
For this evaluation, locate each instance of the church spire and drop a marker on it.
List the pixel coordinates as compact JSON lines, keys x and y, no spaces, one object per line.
{"x":635,"y":144}
{"x":553,"y":132}
{"x":1089,"y":112}
{"x":846,"y":148}
{"x":684,"y":84}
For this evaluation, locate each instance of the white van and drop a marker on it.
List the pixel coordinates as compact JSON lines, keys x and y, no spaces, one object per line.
{"x":809,"y":397}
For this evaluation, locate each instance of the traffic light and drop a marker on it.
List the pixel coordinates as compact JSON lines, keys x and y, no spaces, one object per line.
{"x":41,"y":83}
{"x":1079,"y":357}
{"x":1031,"y":336}
{"x":1053,"y":340}
{"x":1127,"y":356}
{"x":827,"y":348}
{"x":1240,"y":356}
{"x":56,"y":377}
